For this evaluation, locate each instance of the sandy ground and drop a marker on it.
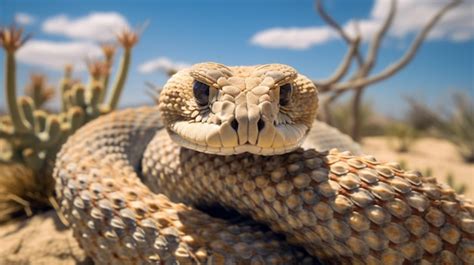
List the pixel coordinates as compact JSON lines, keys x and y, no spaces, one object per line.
{"x":439,"y":155}
{"x":39,"y":240}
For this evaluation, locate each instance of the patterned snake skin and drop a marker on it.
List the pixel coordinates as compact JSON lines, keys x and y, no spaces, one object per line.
{"x":130,"y":191}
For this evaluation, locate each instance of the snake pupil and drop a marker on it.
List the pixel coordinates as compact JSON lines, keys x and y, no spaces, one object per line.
{"x":285,"y":94}
{"x":201,"y":93}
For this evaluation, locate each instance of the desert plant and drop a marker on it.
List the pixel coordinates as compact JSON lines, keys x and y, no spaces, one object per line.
{"x":153,"y":91}
{"x":31,"y":136}
{"x":458,"y":126}
{"x":428,"y":172}
{"x":369,"y":120}
{"x":419,"y":115}
{"x":458,"y":187}
{"x":403,"y":164}
{"x":455,"y":124}
{"x":401,"y":136}
{"x":38,"y":90}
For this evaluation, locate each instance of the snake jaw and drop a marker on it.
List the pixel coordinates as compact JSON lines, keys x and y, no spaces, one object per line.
{"x":213,"y":139}
{"x":243,"y":109}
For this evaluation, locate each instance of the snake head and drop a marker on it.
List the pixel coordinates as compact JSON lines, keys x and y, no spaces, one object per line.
{"x":264,"y":110}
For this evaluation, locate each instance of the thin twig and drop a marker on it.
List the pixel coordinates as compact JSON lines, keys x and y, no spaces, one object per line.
{"x":153,"y":91}
{"x":324,"y":85}
{"x":404,"y":60}
{"x":326,"y":105}
{"x":56,"y":207}
{"x":332,"y":23}
{"x":26,"y":205}
{"x":375,"y":44}
{"x":366,"y":68}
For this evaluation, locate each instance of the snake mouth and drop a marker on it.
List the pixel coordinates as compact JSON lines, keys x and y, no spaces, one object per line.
{"x":224,"y":140}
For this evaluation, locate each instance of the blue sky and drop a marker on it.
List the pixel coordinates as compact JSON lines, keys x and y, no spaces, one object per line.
{"x":228,"y":32}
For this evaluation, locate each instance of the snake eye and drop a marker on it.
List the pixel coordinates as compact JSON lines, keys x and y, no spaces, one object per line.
{"x":285,"y":94}
{"x":201,"y":93}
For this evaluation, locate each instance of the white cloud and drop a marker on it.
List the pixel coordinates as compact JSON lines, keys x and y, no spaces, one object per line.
{"x":412,"y":15}
{"x":55,"y":55}
{"x":97,"y":26}
{"x":293,"y":38}
{"x":161,"y":64}
{"x":24,"y":19}
{"x":366,"y":28}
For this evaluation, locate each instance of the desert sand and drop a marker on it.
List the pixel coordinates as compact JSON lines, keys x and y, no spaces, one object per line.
{"x":41,"y":240}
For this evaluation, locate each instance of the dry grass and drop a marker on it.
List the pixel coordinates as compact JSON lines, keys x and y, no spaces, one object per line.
{"x":21,"y":192}
{"x":454,"y":123}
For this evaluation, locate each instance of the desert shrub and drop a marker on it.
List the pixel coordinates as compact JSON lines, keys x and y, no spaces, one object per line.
{"x":460,"y":188}
{"x":420,"y":116}
{"x":458,"y":126}
{"x":428,"y":172}
{"x":401,"y":136}
{"x":403,"y":164}
{"x":455,"y":123}
{"x":371,"y":123}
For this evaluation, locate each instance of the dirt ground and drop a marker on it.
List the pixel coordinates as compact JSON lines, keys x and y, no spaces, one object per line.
{"x":436,"y":154}
{"x":40,"y":240}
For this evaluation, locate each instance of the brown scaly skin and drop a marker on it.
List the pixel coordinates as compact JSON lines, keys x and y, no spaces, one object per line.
{"x":117,"y":220}
{"x":339,"y":207}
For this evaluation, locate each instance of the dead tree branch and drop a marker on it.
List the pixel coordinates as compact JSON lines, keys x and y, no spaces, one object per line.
{"x":332,"y":23}
{"x":366,"y":69}
{"x":361,"y":78}
{"x":405,"y":59}
{"x":375,"y":44}
{"x":343,"y":67}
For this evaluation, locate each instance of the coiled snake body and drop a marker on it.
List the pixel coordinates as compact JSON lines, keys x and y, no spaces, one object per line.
{"x":128,"y":183}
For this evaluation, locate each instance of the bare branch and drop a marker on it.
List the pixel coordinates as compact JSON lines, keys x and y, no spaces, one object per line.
{"x":406,"y":58}
{"x":326,"y":114}
{"x":331,"y":22}
{"x":357,"y":28}
{"x":375,"y":44}
{"x":325,"y":85}
{"x":153,"y":91}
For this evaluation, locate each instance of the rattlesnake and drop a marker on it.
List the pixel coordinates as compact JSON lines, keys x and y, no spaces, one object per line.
{"x":231,"y":136}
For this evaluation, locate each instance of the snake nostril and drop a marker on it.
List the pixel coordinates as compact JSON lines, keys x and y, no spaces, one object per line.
{"x":234,"y":124}
{"x":260,"y":124}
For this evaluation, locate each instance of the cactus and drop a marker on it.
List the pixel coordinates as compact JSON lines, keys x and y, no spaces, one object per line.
{"x":38,"y":90}
{"x":31,"y":135}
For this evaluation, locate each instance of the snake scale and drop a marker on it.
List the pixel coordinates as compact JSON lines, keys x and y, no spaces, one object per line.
{"x":131,"y":183}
